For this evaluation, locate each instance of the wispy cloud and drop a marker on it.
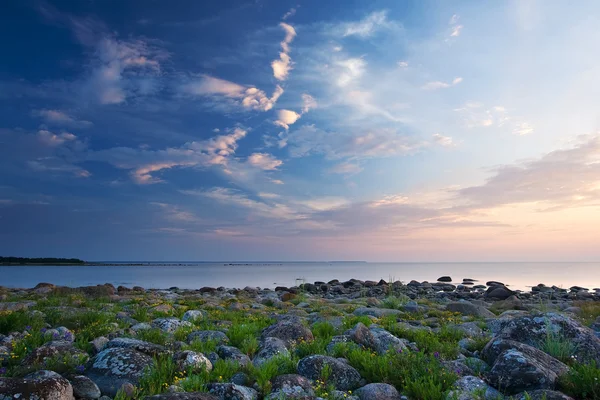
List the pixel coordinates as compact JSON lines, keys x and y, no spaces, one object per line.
{"x":367,"y":26}
{"x":282,"y":66}
{"x":455,"y":27}
{"x":434,"y":85}
{"x":264,"y":161}
{"x":444,"y":141}
{"x":289,"y":14}
{"x":477,"y":115}
{"x":61,"y":118}
{"x":346,"y":168}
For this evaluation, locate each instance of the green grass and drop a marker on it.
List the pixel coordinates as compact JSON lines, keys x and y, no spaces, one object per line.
{"x":153,"y":335}
{"x":158,"y":377}
{"x":18,"y":321}
{"x":582,"y":381}
{"x":557,"y":346}
{"x":395,"y":301}
{"x":350,"y":321}
{"x":264,"y":374}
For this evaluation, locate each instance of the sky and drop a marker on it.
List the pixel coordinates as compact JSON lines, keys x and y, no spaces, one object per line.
{"x":300,"y":130}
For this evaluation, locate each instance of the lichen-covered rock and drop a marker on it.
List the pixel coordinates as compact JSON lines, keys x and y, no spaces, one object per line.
{"x":171,"y":324}
{"x":471,"y":387}
{"x":84,"y":387}
{"x":376,"y":312}
{"x":206,"y":336}
{"x":343,"y":376}
{"x":385,"y":341}
{"x":541,"y":395}
{"x":51,"y":350}
{"x":46,"y":385}
{"x":98,"y":344}
{"x":190,"y":360}
{"x":136,"y":344}
{"x":497,"y":346}
{"x":378,"y":391}
{"x":183,"y":396}
{"x":516,"y":371}
{"x":231,"y":391}
{"x":234,"y":354}
{"x":193,"y":315}
{"x":532,"y":330}
{"x":291,"y":386}
{"x":111,"y":368}
{"x":467,"y":308}
{"x":291,"y":331}
{"x":270,"y":347}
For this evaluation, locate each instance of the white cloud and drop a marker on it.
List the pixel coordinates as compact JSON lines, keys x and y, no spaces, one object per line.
{"x":277,"y":181}
{"x":52,"y":139}
{"x":308,"y":103}
{"x":346,"y":168}
{"x":523,"y":129}
{"x":350,"y":70}
{"x":285,"y":118}
{"x":476,"y":115}
{"x":264,"y":161}
{"x":288,"y":14}
{"x":403,"y":64}
{"x":283,"y":65}
{"x":268,"y":195}
{"x":456,"y":28}
{"x":57,"y":117}
{"x":456,"y":31}
{"x":444,"y":141}
{"x":244,"y":96}
{"x":367,"y":26}
{"x":441,"y":85}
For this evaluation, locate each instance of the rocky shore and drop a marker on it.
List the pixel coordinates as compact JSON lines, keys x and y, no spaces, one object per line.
{"x":367,"y":340}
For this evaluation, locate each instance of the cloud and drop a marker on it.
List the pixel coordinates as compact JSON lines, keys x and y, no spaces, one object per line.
{"x":346,"y":168}
{"x":268,"y":195}
{"x":349,"y":70}
{"x":175,"y":213}
{"x":277,"y":181}
{"x":52,"y":139}
{"x":57,"y":117}
{"x":476,"y":115}
{"x":523,"y":128}
{"x":283,"y":65}
{"x":264,"y":161}
{"x":215,"y":151}
{"x":335,"y":145}
{"x":456,"y":31}
{"x":242,"y":96}
{"x":456,"y":28}
{"x":285,"y":118}
{"x":444,"y":141}
{"x":288,"y":14}
{"x":560,"y":179}
{"x":441,"y":85}
{"x":309,"y":103}
{"x":367,"y":26}
{"x":403,"y":64}
{"x":56,"y":164}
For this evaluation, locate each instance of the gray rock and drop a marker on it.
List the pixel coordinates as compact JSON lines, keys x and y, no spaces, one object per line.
{"x":98,"y":344}
{"x":206,"y":336}
{"x":385,"y":341}
{"x":142,"y":326}
{"x":231,"y":391}
{"x":193,"y":315}
{"x":111,"y":368}
{"x":343,"y":376}
{"x":291,"y":331}
{"x":466,"y":308}
{"x":376,"y":312}
{"x":471,"y":387}
{"x":46,"y":385}
{"x":291,"y":386}
{"x":16,"y":305}
{"x":270,"y":347}
{"x":191,"y":361}
{"x":84,"y":387}
{"x":542,"y":395}
{"x":234,"y":354}
{"x":498,"y":292}
{"x":183,"y":396}
{"x":378,"y":391}
{"x":338,"y":339}
{"x":171,"y":324}
{"x":136,"y":344}
{"x":61,"y":348}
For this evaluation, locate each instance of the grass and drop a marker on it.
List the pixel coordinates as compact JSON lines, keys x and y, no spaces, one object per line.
{"x":395,"y":301}
{"x":582,"y":381}
{"x":590,"y":311}
{"x":153,"y":335}
{"x":557,"y":346}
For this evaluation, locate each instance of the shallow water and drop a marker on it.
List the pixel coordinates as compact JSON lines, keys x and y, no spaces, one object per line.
{"x":196,"y":275}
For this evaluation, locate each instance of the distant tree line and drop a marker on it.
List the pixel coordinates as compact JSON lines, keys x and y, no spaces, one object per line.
{"x":43,"y":260}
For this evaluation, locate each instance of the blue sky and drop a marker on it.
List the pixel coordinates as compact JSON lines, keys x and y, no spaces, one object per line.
{"x":300,"y":130}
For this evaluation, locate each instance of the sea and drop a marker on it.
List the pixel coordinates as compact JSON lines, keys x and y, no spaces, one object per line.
{"x":194,"y":275}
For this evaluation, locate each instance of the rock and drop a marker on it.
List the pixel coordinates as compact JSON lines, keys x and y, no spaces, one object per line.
{"x":290,"y":331}
{"x":444,"y":279}
{"x":231,"y":391}
{"x":183,"y":396}
{"x":385,"y":341}
{"x":361,"y":335}
{"x":337,"y":339}
{"x":343,"y":376}
{"x":497,"y":346}
{"x":515,"y":371}
{"x":287,"y":296}
{"x":376,"y":312}
{"x":84,"y":387}
{"x":466,"y":308}
{"x":16,"y":305}
{"x":533,"y":330}
{"x":98,"y":344}
{"x":511,"y":303}
{"x":55,"y":349}
{"x":270,"y":347}
{"x":494,"y":283}
{"x":190,"y":360}
{"x":471,"y":387}
{"x":46,"y":385}
{"x":291,"y":386}
{"x":542,"y":395}
{"x":234,"y":354}
{"x":111,"y":368}
{"x":193,"y":316}
{"x":142,"y":326}
{"x":378,"y":391}
{"x":170,"y":325}
{"x":206,"y":336}
{"x":59,"y":334}
{"x":136,"y":344}
{"x":162,"y":308}
{"x":498,"y":292}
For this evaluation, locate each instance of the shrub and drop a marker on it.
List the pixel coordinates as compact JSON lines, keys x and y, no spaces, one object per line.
{"x":582,"y":381}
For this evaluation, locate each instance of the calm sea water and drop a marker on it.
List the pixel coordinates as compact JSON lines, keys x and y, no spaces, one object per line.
{"x":196,"y":275}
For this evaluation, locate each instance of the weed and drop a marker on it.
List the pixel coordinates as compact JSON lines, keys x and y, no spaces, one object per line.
{"x":582,"y":381}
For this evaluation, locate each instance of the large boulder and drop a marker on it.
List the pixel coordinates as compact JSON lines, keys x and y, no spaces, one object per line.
{"x":208,"y":336}
{"x":135,"y":344}
{"x":193,"y":315}
{"x":270,"y":347}
{"x":467,"y":308}
{"x":375,"y":338}
{"x":189,"y":360}
{"x":497,"y":346}
{"x":291,"y":386}
{"x":46,"y":385}
{"x":533,"y":330}
{"x":291,"y":331}
{"x":84,"y":388}
{"x":498,"y":292}
{"x":516,"y":371}
{"x":111,"y":368}
{"x":471,"y":387}
{"x":230,"y":353}
{"x":343,"y":376}
{"x":171,"y":324}
{"x":52,"y":350}
{"x":378,"y":391}
{"x":227,"y":391}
